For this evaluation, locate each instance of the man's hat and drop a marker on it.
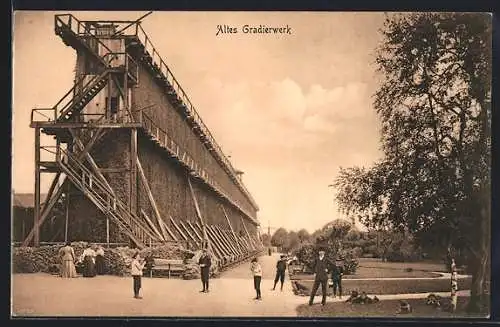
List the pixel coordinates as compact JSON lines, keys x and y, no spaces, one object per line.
{"x":321,"y":251}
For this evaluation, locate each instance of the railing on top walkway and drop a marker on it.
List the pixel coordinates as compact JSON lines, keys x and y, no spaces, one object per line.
{"x":135,"y":29}
{"x":165,"y":70}
{"x":166,"y":140}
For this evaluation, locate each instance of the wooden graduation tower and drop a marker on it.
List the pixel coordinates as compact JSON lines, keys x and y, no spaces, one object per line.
{"x":133,"y":161}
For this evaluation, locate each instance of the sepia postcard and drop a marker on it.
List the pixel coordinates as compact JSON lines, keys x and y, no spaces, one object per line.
{"x":251,"y":164}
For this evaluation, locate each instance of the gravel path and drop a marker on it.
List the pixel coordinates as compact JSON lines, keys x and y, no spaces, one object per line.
{"x":231,"y":295}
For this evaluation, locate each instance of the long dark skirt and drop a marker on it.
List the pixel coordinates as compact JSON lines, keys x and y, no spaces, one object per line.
{"x":99,"y":265}
{"x":88,"y":267}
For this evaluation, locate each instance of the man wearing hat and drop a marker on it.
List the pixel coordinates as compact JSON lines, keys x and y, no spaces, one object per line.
{"x":280,"y":271}
{"x":320,"y":269}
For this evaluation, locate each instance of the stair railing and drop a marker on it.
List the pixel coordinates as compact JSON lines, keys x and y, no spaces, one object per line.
{"x":92,"y":184}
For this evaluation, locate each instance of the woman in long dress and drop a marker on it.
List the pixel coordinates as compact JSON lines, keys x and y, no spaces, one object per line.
{"x":67,"y":255}
{"x":99,"y":261}
{"x":89,"y":262}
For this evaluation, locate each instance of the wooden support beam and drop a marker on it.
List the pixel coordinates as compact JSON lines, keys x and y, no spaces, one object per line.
{"x":47,"y":208}
{"x":50,"y":202}
{"x":153,"y":227}
{"x":230,"y":226}
{"x":229,"y":243}
{"x":51,"y":190}
{"x":193,"y":227}
{"x":36,"y":207}
{"x":152,"y":201}
{"x":218,"y":243}
{"x":83,"y":125}
{"x":66,"y":220}
{"x":168,"y":230}
{"x":179,"y":230}
{"x":114,"y":170}
{"x":195,"y":240}
{"x":215,"y":240}
{"x":232,"y":242}
{"x":218,"y":252}
{"x":133,"y":173}
{"x":91,"y":161}
{"x":198,"y":211}
{"x":248,"y":234}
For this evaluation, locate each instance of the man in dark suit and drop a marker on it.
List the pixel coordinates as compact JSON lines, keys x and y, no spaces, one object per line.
{"x":205,"y":262}
{"x":321,"y":277}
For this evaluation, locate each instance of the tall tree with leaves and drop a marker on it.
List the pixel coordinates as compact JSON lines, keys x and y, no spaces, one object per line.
{"x":435,"y":111}
{"x":279,"y":238}
{"x":303,"y":235}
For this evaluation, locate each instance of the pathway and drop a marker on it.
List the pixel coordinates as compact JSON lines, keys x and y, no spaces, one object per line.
{"x":231,"y":295}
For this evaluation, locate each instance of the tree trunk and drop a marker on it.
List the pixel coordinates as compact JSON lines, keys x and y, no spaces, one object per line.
{"x":479,"y":299}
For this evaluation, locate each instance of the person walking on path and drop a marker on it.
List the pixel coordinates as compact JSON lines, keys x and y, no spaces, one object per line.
{"x":136,"y":271}
{"x":257,"y":277}
{"x":320,"y":269}
{"x":280,"y":272}
{"x":205,"y":263}
{"x":337,"y":273}
{"x":67,"y":255}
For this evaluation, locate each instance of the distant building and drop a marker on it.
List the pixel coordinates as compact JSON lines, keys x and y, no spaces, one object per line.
{"x":22,"y":218}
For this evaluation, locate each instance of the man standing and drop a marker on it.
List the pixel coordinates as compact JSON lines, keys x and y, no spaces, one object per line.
{"x":280,"y":272}
{"x":337,"y":273}
{"x":321,"y":277}
{"x":205,"y":262}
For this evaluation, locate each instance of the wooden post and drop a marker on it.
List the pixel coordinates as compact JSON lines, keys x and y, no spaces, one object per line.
{"x":133,"y":172}
{"x":230,"y":226}
{"x":150,"y":195}
{"x":36,"y":207}
{"x":125,"y":90}
{"x":108,"y":93}
{"x":66,"y":222}
{"x":198,"y":212}
{"x":454,"y":285}
{"x":107,"y":231}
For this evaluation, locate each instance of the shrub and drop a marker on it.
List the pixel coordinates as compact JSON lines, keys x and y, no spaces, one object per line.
{"x":307,"y":254}
{"x":117,"y":260}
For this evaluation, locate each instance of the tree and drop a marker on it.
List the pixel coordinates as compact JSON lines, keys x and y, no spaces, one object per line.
{"x":303,"y":235}
{"x":335,"y":231}
{"x":292,"y":241}
{"x":435,"y":109}
{"x":266,"y":239}
{"x":279,"y":238}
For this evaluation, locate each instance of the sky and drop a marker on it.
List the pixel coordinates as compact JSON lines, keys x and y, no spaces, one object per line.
{"x":289,"y":110}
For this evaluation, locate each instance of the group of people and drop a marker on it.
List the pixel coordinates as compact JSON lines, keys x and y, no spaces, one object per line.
{"x":91,"y":261}
{"x":138,"y":264}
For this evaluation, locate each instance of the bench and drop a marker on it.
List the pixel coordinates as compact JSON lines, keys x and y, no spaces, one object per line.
{"x":173,"y":267}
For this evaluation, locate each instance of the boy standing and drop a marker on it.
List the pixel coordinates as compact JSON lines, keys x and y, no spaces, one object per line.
{"x":257,"y":277}
{"x":136,"y":272}
{"x":280,"y":272}
{"x":337,"y":273}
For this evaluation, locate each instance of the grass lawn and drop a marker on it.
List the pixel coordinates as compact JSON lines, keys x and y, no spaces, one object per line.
{"x":392,"y":286}
{"x":375,"y":268}
{"x":386,"y":308}
{"x":420,"y":265}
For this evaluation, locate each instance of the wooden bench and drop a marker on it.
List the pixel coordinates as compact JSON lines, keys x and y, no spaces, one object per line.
{"x":173,"y":267}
